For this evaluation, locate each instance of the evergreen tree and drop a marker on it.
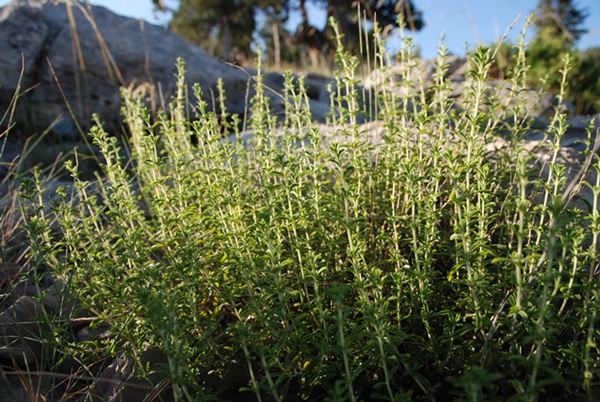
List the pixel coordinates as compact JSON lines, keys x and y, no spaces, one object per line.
{"x":386,"y":12}
{"x":226,"y":28}
{"x":282,"y":50}
{"x":346,"y":13}
{"x":558,"y":27}
{"x":584,"y":87}
{"x":560,"y":19}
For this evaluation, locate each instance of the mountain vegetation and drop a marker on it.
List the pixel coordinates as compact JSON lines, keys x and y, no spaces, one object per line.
{"x":229,"y":28}
{"x":559,"y":25}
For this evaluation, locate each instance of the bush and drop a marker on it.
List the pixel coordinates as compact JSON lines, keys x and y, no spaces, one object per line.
{"x":402,"y":260}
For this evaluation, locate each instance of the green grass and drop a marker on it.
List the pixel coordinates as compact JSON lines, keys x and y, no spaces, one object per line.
{"x":404,"y":261}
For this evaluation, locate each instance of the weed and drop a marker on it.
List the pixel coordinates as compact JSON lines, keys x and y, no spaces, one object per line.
{"x":398,"y":260}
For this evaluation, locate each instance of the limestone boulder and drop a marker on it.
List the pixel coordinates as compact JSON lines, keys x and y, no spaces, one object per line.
{"x":81,"y":55}
{"x":23,"y":327}
{"x":73,"y":56}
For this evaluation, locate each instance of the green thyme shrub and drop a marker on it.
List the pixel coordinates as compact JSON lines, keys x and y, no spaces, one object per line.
{"x":397,"y":260}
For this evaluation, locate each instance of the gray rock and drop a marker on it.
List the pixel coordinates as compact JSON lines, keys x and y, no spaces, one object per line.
{"x":92,"y":57}
{"x":87,"y":334}
{"x":110,"y":383}
{"x":423,"y":70}
{"x":17,"y":41}
{"x":50,"y":194}
{"x":16,"y":387}
{"x":23,"y":327}
{"x":579,"y":127}
{"x":119,"y":383}
{"x":10,"y":157}
{"x":65,"y":129}
{"x":10,"y":274}
{"x":457,"y":67}
{"x":59,"y":299}
{"x":317,"y":86}
{"x":540,"y":107}
{"x":573,"y":161}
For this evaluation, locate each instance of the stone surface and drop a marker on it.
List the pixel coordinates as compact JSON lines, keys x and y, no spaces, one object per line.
{"x":68,"y":60}
{"x":10,"y":152}
{"x":16,"y":387}
{"x":99,"y":332}
{"x":92,"y":56}
{"x":50,"y":194}
{"x":570,"y":157}
{"x":60,"y":300}
{"x":23,"y":326}
{"x":539,"y":108}
{"x":117,"y":382}
{"x":421,"y":76}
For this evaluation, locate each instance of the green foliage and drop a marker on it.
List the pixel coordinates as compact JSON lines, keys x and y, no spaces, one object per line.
{"x":584,"y":85}
{"x":281,"y":46}
{"x":228,"y":28}
{"x":558,"y":25}
{"x":560,"y":19}
{"x":386,"y":13}
{"x":558,"y":29}
{"x":400,"y":260}
{"x":224,"y":27}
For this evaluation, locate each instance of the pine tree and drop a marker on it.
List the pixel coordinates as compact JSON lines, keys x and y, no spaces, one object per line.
{"x":560,"y":19}
{"x":558,"y":27}
{"x":346,"y":14}
{"x":224,"y":28}
{"x":386,"y":12}
{"x":227,"y":28}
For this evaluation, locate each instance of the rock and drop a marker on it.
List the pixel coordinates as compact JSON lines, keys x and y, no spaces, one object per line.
{"x":457,"y":67}
{"x":61,"y":65}
{"x":423,"y":71}
{"x":540,"y":109}
{"x":317,"y":86}
{"x":118,"y":382}
{"x":108,"y":385}
{"x":391,"y":77}
{"x":16,"y":387}
{"x":10,"y":152}
{"x":65,"y":129}
{"x":92,"y":57}
{"x":10,"y":274}
{"x":23,"y":328}
{"x":572,"y":159}
{"x":51,"y":189}
{"x":99,"y":332}
{"x":578,"y":128}
{"x":128,"y":53}
{"x":20,"y":48}
{"x":62,"y":302}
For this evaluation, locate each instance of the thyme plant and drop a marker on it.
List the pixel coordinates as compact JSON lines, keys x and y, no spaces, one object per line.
{"x":401,"y":259}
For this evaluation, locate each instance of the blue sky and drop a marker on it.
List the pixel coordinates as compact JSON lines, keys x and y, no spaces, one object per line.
{"x":461,"y":21}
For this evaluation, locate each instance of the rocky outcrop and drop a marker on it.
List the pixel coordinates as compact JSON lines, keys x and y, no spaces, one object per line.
{"x":86,"y":58}
{"x":540,"y":108}
{"x":421,"y":75}
{"x":72,"y":58}
{"x":68,"y":60}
